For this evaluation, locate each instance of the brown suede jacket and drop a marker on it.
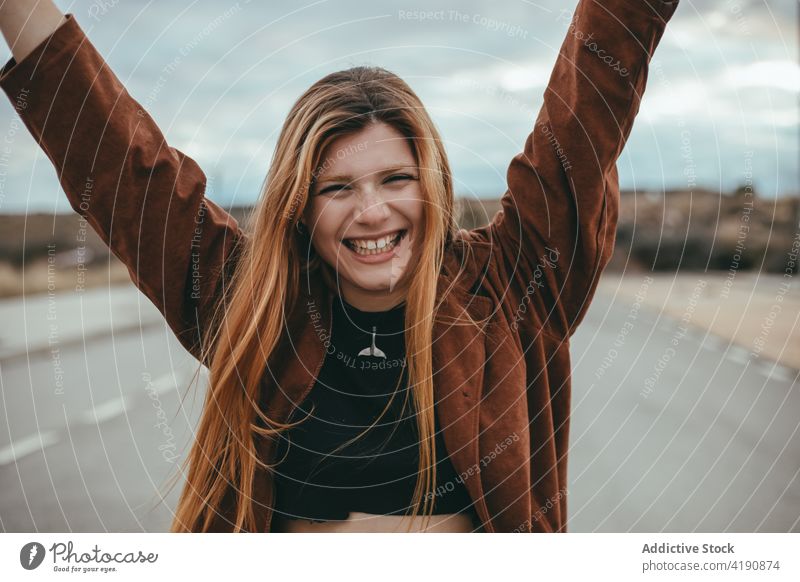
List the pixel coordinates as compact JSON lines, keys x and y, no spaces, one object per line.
{"x":502,"y":393}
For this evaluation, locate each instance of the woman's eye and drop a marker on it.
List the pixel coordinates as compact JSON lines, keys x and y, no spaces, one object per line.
{"x":334,"y":188}
{"x":398,"y":177}
{"x":340,"y":187}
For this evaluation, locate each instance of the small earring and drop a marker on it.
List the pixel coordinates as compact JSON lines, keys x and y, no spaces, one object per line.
{"x":301,"y":228}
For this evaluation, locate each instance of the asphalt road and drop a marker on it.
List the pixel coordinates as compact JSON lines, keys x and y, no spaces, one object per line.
{"x":672,"y":430}
{"x":676,"y":430}
{"x":93,"y":449}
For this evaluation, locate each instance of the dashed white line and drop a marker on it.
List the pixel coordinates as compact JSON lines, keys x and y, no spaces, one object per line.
{"x":738,"y":355}
{"x":777,"y":372}
{"x":695,"y":335}
{"x":715,"y":344}
{"x":165,"y":383}
{"x":105,"y":411}
{"x":25,"y":446}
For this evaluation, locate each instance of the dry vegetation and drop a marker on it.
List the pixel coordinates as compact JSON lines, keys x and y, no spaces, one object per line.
{"x":684,"y":231}
{"x":691,"y":231}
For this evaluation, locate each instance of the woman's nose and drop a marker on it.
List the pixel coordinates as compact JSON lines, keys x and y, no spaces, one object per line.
{"x":371,"y":207}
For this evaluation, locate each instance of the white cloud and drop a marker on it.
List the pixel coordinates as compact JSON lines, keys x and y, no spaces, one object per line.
{"x":783,"y":75}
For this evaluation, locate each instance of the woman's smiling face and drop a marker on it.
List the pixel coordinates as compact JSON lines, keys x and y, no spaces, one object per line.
{"x":364,"y":213}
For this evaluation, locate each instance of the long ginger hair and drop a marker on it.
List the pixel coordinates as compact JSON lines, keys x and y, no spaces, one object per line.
{"x":266,"y":282}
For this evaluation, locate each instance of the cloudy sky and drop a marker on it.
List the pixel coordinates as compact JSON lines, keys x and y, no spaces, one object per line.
{"x":219,"y":78}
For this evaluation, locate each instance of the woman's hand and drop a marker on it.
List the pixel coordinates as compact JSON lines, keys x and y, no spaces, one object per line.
{"x":26,"y":23}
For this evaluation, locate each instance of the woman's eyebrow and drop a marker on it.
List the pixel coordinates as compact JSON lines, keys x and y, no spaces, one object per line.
{"x":349,"y":178}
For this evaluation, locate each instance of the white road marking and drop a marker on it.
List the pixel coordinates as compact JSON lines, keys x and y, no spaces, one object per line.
{"x":777,"y":372}
{"x":738,"y":355}
{"x":695,"y":335}
{"x":165,"y":383}
{"x":105,"y":411}
{"x":715,"y":344}
{"x":26,"y":446}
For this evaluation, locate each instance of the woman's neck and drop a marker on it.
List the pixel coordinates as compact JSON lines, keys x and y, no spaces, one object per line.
{"x":361,"y":299}
{"x":372,"y":300}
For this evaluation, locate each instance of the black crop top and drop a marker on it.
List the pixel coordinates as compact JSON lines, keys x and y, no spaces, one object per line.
{"x":377,"y":472}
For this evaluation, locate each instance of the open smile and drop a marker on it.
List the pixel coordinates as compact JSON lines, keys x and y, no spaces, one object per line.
{"x":375,"y":250}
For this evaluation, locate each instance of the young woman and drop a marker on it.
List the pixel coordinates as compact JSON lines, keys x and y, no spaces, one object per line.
{"x":372,"y":366}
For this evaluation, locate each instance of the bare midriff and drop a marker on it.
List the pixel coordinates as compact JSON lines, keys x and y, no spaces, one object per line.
{"x":358,"y":522}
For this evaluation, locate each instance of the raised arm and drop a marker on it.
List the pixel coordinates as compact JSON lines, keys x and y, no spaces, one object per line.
{"x":144,"y":198}
{"x":26,"y":23}
{"x":555,"y":232}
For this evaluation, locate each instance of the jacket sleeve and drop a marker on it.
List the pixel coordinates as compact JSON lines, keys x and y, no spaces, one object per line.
{"x":555,"y":230}
{"x":145,"y":199}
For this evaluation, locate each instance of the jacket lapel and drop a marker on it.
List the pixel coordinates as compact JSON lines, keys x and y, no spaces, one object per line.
{"x":459,"y":353}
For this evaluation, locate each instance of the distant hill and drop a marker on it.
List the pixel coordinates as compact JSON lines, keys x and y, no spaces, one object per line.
{"x":691,"y":231}
{"x":661,"y":231}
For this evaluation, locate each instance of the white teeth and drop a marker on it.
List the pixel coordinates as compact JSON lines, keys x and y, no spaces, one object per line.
{"x":371,"y":247}
{"x":374,"y":243}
